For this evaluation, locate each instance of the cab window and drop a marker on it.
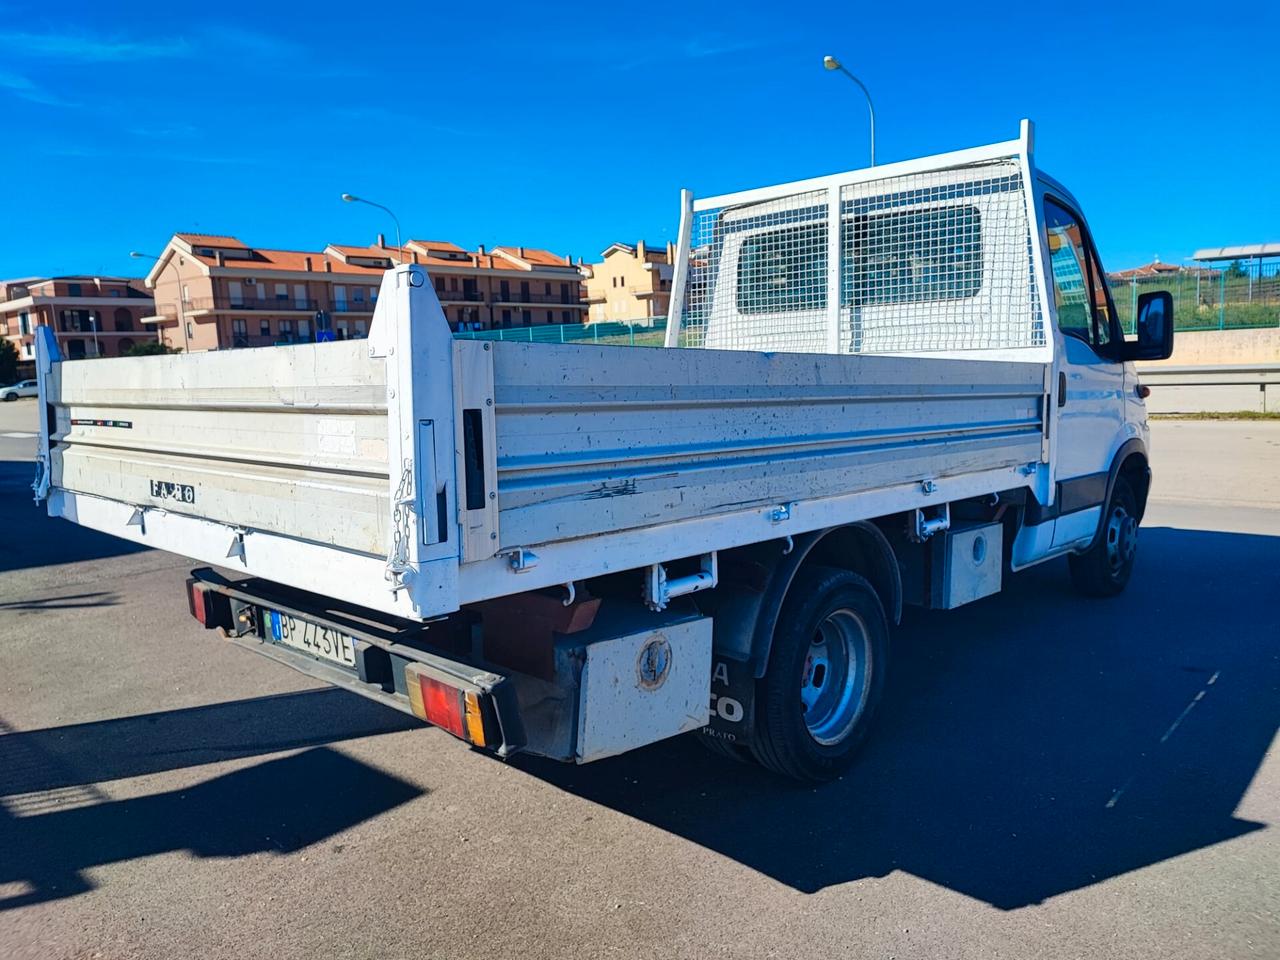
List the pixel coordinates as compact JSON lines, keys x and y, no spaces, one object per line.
{"x":1079,"y":286}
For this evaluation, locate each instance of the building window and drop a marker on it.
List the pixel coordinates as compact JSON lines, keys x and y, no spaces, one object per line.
{"x":453,"y":284}
{"x":73,"y":289}
{"x":564,"y":316}
{"x":547,"y":289}
{"x":191,"y":332}
{"x":358,"y":293}
{"x":506,"y":318}
{"x":439,"y":286}
{"x":340,"y":298}
{"x":286,"y":328}
{"x":550,"y":317}
{"x":115,"y":293}
{"x":24,"y":323}
{"x":239,"y":333}
{"x":304,"y":329}
{"x":526,"y":317}
{"x":282,"y":291}
{"x":264,"y":327}
{"x":123,"y":319}
{"x":564,"y":293}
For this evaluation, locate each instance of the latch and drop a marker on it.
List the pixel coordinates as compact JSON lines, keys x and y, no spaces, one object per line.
{"x":781,"y":512}
{"x":520,"y":559}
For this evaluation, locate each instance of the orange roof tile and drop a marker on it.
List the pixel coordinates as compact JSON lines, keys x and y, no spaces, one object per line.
{"x":436,"y":245}
{"x":212,"y":240}
{"x":294,"y":260}
{"x":542,"y":258}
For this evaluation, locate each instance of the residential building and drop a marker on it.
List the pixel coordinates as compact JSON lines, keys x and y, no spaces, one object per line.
{"x":630,"y":282}
{"x":505,"y":287}
{"x":90,"y":316}
{"x":1154,"y":269}
{"x":217,"y":292}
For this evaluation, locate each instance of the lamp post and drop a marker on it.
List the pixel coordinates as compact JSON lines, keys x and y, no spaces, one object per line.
{"x":182,"y":317}
{"x":351,"y":198}
{"x":831,"y":63}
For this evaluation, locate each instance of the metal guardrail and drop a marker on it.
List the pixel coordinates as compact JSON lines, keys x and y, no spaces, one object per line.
{"x":1219,"y":388}
{"x":1222,"y":375}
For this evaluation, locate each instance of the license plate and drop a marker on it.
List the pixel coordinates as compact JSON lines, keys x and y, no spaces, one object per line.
{"x":324,"y":643}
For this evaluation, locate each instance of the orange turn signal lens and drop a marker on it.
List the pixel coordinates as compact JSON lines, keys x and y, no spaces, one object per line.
{"x":475,"y":719}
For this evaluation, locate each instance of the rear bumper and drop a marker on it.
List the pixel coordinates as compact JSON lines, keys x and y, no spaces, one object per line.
{"x":608,"y":684}
{"x":391,"y":654}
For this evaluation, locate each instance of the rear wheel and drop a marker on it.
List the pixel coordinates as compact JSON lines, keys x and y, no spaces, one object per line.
{"x":1104,"y":569}
{"x":10,"y":396}
{"x":825,"y":676}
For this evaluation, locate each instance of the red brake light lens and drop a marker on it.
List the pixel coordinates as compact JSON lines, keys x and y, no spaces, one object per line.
{"x":444,"y":706}
{"x":196,"y":601}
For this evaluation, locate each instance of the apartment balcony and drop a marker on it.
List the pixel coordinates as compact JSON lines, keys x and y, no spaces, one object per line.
{"x":196,"y":306}
{"x":353,"y":306}
{"x":538,"y":298}
{"x":247,"y":340}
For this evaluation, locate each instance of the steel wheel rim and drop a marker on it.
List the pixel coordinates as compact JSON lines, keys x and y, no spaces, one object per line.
{"x":836,"y":676}
{"x":1122,"y":537}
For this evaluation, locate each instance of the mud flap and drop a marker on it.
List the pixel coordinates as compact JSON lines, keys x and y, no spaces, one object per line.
{"x":733,"y":694}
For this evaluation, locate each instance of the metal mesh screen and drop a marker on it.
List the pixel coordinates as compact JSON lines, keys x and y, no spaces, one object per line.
{"x":931,"y":262}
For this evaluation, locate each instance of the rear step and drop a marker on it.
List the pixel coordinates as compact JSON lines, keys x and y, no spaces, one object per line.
{"x":384,"y":658}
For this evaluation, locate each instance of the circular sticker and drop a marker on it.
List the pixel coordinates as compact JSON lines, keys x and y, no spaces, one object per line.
{"x":654,"y":663}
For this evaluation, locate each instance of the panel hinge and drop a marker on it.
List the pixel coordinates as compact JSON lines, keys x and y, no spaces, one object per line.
{"x":926,"y":521}
{"x":659,"y":589}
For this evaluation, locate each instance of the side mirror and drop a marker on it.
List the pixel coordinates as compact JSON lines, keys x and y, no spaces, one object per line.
{"x":1155,"y":328}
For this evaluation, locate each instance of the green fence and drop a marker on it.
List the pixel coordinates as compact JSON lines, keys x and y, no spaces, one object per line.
{"x":1229,"y":296}
{"x":639,"y":333}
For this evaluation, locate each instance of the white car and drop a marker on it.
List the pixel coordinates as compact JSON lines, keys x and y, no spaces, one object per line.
{"x":24,"y":388}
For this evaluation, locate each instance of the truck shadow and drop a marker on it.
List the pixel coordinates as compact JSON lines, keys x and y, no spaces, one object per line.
{"x":1030,"y":744}
{"x":76,"y":755}
{"x":32,"y":539}
{"x":47,"y":853}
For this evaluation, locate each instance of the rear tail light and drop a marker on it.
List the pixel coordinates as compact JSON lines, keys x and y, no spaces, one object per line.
{"x":211,"y":608}
{"x":458,"y":711}
{"x":196,"y":601}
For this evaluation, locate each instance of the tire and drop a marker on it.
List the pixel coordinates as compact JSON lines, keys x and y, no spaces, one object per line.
{"x":10,"y":396}
{"x":825,"y":676}
{"x":1104,"y":569}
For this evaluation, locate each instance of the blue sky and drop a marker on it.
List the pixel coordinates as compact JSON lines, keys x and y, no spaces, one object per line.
{"x":571,"y":126}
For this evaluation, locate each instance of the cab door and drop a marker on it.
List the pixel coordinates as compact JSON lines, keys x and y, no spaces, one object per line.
{"x":1089,"y":393}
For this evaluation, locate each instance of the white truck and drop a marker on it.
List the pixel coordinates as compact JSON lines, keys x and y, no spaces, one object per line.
{"x":883,"y":387}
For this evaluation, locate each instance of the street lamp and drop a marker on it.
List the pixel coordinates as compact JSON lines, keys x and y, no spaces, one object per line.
{"x":182,"y":317}
{"x":831,"y":63}
{"x":350,"y":198}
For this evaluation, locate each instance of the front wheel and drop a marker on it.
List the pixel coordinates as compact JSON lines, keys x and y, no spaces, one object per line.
{"x":10,"y":396}
{"x":1104,"y":569}
{"x":825,"y":677}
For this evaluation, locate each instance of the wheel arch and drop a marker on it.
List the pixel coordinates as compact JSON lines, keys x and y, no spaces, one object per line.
{"x":745,"y":622}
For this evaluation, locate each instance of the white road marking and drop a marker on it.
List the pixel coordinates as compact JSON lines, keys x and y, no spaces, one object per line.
{"x":1167,"y":734}
{"x":18,"y":436}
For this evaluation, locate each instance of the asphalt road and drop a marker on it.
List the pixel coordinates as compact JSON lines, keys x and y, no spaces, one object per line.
{"x":1052,"y":777}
